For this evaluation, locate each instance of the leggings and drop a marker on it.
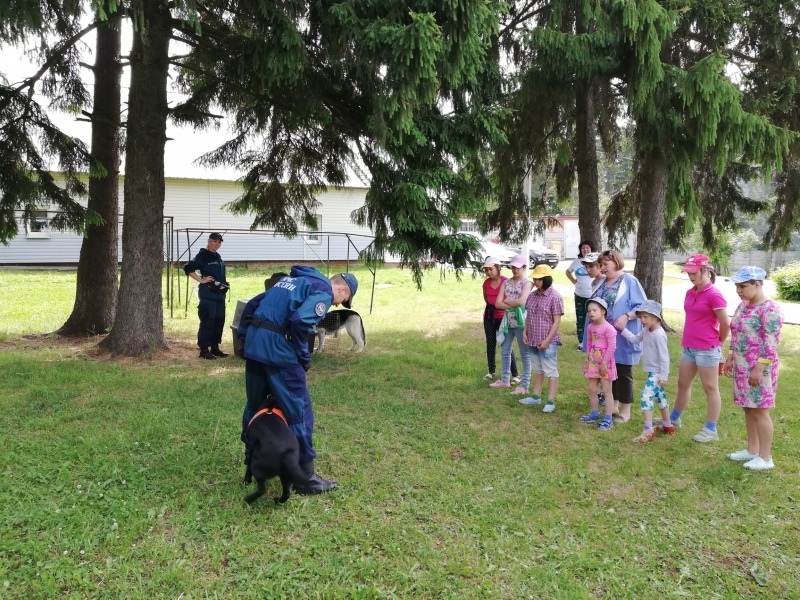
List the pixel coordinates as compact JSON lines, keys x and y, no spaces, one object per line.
{"x":490,"y":327}
{"x":580,"y":316}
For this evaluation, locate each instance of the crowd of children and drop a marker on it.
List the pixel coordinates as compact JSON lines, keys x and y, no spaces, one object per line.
{"x":613,"y":311}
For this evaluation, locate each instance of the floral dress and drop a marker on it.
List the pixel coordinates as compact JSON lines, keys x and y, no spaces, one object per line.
{"x":755,"y":333}
{"x":602,"y":342}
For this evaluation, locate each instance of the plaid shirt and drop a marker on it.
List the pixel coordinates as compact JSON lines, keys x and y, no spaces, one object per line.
{"x":541,"y":306}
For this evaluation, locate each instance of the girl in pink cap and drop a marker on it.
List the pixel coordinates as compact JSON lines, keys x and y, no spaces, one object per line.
{"x":705,"y":330}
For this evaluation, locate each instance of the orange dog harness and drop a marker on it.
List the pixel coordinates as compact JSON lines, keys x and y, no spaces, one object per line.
{"x":269,"y":411}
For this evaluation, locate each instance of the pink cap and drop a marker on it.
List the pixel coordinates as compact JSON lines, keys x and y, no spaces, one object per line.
{"x":695,"y":262}
{"x":518,"y":260}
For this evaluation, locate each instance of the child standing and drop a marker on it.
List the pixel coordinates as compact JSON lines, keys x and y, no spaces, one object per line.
{"x":753,"y":364}
{"x":541,"y":336}
{"x":655,"y":362}
{"x":600,"y":343}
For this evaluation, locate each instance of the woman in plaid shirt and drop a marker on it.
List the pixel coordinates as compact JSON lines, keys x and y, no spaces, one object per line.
{"x":545,"y":307}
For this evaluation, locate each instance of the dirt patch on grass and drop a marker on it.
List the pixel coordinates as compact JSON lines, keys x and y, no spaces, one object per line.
{"x":86,"y":348}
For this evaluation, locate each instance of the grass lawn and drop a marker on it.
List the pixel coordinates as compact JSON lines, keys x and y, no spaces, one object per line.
{"x":122,"y":478}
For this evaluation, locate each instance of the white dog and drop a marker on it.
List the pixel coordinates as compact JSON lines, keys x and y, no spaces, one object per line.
{"x":334,"y":322}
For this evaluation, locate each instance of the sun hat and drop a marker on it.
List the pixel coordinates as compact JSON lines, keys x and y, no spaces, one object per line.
{"x":598,"y":301}
{"x":749,"y":274}
{"x":352,"y":283}
{"x":518,"y":260}
{"x":491,"y":261}
{"x":651,"y":307}
{"x":541,"y":271}
{"x":590,"y":258}
{"x":696,"y":262}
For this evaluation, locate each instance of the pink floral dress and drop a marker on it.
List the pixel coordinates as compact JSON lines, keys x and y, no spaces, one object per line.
{"x":602,"y":343}
{"x":755,"y":334}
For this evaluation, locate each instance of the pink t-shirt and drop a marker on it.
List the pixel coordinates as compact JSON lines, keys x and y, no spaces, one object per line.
{"x":701,"y":329}
{"x":491,"y":295}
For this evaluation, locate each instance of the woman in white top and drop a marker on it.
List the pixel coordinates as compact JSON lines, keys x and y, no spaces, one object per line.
{"x":578,"y":275}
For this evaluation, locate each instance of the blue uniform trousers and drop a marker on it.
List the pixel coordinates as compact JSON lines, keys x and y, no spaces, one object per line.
{"x":212,"y":322}
{"x":288,"y":386}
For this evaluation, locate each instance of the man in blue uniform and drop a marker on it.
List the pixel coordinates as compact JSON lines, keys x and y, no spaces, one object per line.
{"x":275,"y":327}
{"x":208,"y":270}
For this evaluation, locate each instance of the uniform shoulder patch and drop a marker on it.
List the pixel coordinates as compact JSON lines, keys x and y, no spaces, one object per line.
{"x":320,"y":309}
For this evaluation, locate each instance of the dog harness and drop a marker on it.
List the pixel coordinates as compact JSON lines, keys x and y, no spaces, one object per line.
{"x":269,"y":411}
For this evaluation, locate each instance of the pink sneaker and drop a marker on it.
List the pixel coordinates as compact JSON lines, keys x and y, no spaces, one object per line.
{"x":499,"y":384}
{"x":520,"y":390}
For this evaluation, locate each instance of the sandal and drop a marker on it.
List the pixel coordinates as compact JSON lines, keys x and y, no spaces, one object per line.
{"x":605,"y":425}
{"x":621,"y":419}
{"x":644,"y":437}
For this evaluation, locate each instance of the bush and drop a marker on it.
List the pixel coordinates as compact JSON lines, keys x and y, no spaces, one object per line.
{"x":787,"y":280}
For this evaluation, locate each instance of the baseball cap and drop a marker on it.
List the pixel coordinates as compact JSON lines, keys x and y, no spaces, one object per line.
{"x":695,"y":262}
{"x":518,"y":260}
{"x":651,"y":307}
{"x":541,"y":271}
{"x":215,"y":236}
{"x":590,"y":258}
{"x":352,"y":283}
{"x":599,"y":301}
{"x":491,"y":261}
{"x":749,"y":274}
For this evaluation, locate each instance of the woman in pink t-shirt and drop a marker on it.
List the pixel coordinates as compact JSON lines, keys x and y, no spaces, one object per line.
{"x":706,"y":328}
{"x":492,"y":317}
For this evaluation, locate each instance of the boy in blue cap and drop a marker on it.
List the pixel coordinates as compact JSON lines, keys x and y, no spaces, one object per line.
{"x":275,"y":326}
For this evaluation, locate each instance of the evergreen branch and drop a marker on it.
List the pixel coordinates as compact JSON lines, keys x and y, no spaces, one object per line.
{"x":713,"y":47}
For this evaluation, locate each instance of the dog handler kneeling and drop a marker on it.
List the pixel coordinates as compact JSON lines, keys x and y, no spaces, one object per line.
{"x":275,"y":327}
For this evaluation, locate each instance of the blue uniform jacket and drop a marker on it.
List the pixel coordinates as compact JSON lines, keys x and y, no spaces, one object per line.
{"x":296,"y":303}
{"x":208,"y":263}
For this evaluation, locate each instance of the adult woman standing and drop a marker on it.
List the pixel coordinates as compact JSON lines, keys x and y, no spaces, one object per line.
{"x":705,"y":330}
{"x":512,"y":298}
{"x":753,"y":364}
{"x":577,"y":274}
{"x":623,"y":294}
{"x":492,"y":316}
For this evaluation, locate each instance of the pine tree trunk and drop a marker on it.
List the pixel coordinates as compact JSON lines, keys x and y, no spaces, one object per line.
{"x":96,"y":289}
{"x":650,"y":234}
{"x":586,"y":165}
{"x":139,"y":325}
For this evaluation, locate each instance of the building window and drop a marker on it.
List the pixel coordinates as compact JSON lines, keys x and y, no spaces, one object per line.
{"x":38,"y":225}
{"x":312,"y":235}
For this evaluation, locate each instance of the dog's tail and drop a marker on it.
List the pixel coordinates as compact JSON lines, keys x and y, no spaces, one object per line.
{"x":262,"y":489}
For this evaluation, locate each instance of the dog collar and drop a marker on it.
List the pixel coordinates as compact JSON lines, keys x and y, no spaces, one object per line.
{"x":265,"y":411}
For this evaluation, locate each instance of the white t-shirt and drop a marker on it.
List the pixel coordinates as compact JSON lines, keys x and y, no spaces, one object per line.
{"x":583,"y":287}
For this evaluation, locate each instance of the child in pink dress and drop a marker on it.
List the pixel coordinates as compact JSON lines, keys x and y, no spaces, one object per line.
{"x":600,"y":369}
{"x":753,"y":364}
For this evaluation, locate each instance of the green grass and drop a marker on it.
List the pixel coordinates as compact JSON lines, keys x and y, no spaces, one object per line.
{"x":122,"y":478}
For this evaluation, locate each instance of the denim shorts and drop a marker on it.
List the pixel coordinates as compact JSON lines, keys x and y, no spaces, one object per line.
{"x":702,"y":358}
{"x":544,"y":361}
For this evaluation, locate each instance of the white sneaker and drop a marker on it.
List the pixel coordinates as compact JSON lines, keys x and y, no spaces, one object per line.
{"x":759,"y":464}
{"x":742,"y":456}
{"x":515,"y":380}
{"x":530,"y":400}
{"x":489,"y":376}
{"x":549,"y":407}
{"x":706,"y":435}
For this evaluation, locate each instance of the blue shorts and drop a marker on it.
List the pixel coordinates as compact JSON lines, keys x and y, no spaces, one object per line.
{"x":544,"y":361}
{"x":702,"y":358}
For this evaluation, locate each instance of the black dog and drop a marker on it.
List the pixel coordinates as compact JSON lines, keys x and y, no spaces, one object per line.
{"x":272,"y":451}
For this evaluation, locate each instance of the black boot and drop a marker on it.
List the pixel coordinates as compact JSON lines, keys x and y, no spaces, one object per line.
{"x":314,"y":484}
{"x":206,"y":353}
{"x":217,"y":352}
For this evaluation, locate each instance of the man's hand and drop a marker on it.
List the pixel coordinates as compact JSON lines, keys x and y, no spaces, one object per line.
{"x":306,"y":366}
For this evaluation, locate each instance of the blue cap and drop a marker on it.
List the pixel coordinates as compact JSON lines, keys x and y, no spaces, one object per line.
{"x":352,"y":283}
{"x":749,"y":274}
{"x":651,"y":307}
{"x":215,"y":236}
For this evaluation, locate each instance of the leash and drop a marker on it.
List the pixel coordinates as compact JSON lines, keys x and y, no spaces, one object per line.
{"x":269,"y":411}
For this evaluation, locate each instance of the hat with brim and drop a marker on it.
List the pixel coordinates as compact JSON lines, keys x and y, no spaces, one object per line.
{"x":590,"y":258}
{"x":518,"y":260}
{"x":352,"y":283}
{"x":749,"y":274}
{"x":541,"y":271}
{"x":651,"y":307}
{"x":696,"y":262}
{"x":491,"y":261}
{"x":599,"y":302}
